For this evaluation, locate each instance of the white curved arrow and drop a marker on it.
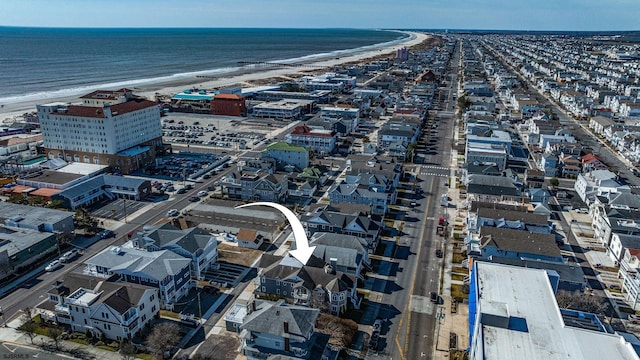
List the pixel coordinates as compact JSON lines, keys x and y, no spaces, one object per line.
{"x":303,"y":251}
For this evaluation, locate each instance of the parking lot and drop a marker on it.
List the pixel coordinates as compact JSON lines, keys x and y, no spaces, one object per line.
{"x":220,"y":132}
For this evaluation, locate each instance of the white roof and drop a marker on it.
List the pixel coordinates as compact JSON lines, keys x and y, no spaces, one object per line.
{"x":526,"y":293}
{"x":82,"y":168}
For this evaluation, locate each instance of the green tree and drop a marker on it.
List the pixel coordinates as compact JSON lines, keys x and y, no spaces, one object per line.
{"x":554,"y":182}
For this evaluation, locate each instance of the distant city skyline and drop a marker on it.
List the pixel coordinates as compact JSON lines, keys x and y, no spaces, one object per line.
{"x":562,"y":15}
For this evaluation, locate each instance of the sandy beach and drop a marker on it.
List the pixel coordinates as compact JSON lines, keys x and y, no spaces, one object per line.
{"x":9,"y":112}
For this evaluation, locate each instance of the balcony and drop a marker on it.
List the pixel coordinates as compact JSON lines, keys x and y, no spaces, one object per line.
{"x":62,"y":308}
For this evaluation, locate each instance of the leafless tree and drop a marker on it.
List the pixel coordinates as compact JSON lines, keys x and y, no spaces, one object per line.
{"x":55,"y":334}
{"x":127,"y":350}
{"x":163,"y":338}
{"x":579,"y":301}
{"x":342,"y":331}
{"x":318,"y":300}
{"x":29,"y":327}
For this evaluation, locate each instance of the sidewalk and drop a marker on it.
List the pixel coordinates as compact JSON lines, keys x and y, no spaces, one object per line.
{"x":10,"y":334}
{"x":451,"y":320}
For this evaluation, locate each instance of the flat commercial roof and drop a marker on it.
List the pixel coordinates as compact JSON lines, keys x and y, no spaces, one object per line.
{"x":54,"y":177}
{"x":82,"y":168}
{"x":46,"y":192}
{"x":518,"y":293}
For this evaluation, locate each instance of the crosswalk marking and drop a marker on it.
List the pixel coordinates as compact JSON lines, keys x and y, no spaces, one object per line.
{"x":435,"y":167}
{"x":433,"y":174}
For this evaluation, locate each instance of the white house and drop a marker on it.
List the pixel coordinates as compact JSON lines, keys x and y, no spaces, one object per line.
{"x":597,"y":183}
{"x":117,"y":310}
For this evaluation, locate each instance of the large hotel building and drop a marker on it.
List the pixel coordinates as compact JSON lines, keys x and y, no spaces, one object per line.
{"x":112,"y":128}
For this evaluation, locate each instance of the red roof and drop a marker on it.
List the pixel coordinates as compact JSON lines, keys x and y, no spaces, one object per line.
{"x":307,"y":131}
{"x":246,"y":235}
{"x":634,"y":252}
{"x":45,"y":192}
{"x":228,"y":97}
{"x":97,"y":112}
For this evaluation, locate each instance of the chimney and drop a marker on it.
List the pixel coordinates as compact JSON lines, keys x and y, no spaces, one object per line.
{"x":286,"y":344}
{"x":253,"y":306}
{"x":286,"y":327}
{"x":333,"y":262}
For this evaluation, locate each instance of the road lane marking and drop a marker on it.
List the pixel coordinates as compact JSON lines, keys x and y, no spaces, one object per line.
{"x":404,"y":349}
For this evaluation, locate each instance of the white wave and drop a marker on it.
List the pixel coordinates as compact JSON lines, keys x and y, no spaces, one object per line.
{"x":55,"y":94}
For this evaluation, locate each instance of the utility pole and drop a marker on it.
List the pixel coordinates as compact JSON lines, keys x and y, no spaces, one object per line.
{"x":199,"y":308}
{"x":124,"y":205}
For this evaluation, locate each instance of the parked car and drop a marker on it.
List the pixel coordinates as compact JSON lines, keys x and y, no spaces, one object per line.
{"x":582,"y":211}
{"x":69,"y":255}
{"x":105,"y":234}
{"x":202,"y":193}
{"x":194,"y":199}
{"x":181,"y":191}
{"x":54,"y":265}
{"x":188,"y":187}
{"x":173,"y":212}
{"x":439,"y":253}
{"x":206,"y":176}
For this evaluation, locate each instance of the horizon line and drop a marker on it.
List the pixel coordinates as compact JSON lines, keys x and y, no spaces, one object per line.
{"x":311,"y":28}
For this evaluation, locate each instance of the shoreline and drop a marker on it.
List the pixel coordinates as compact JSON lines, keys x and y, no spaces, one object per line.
{"x":10,"y":112}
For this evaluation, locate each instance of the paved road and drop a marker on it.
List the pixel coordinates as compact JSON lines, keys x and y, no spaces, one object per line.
{"x":33,"y":291}
{"x":580,"y":131}
{"x":16,"y":351}
{"x":411,"y":333}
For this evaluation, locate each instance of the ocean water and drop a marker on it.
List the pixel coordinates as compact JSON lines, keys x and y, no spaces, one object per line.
{"x":40,"y":63}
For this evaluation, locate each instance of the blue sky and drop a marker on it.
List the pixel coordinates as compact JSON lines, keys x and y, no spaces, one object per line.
{"x":433,"y":14}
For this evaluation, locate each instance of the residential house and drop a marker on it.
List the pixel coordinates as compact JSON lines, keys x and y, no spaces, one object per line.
{"x":345,"y":253}
{"x":116,"y":310}
{"x":164,"y":270}
{"x":516,"y":244}
{"x":358,"y":191}
{"x":249,"y":239}
{"x":194,"y":243}
{"x":492,"y":189}
{"x":592,"y":162}
{"x":358,"y":224}
{"x":508,"y":219}
{"x":539,"y":196}
{"x":608,"y":221}
{"x":570,"y":166}
{"x":281,"y":331}
{"x":309,"y":286}
{"x":319,"y":141}
{"x":549,"y":164}
{"x":255,"y":186}
{"x":287,"y":154}
{"x":629,"y":266}
{"x":596,"y":183}
{"x":599,"y":124}
{"x":620,"y":243}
